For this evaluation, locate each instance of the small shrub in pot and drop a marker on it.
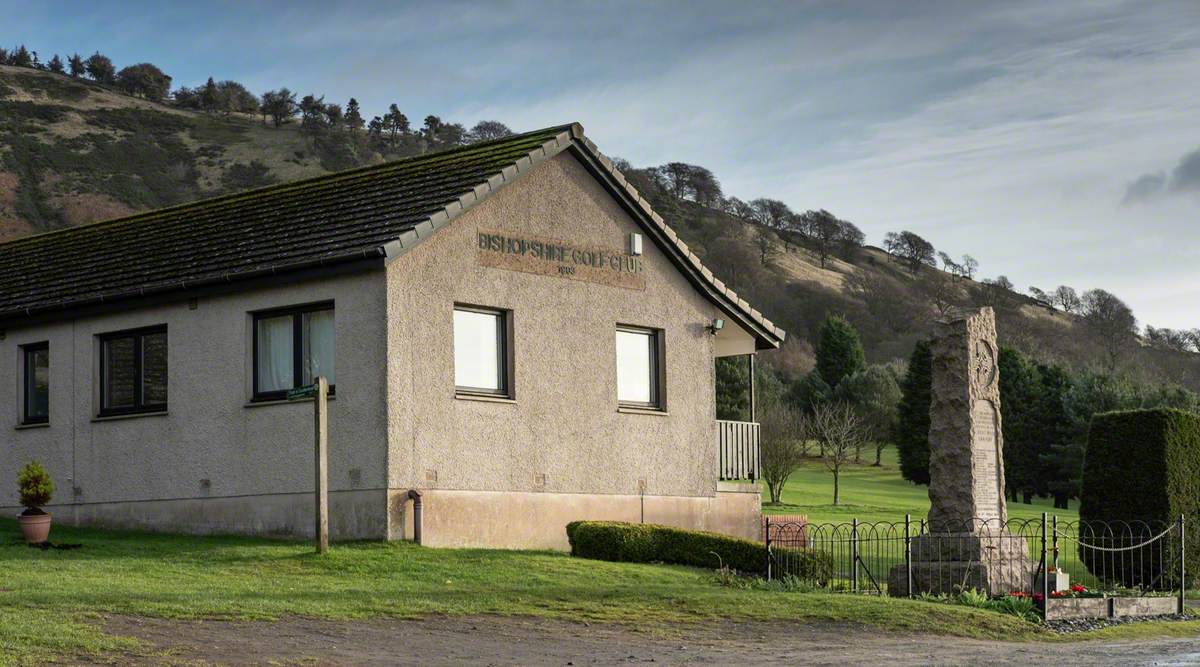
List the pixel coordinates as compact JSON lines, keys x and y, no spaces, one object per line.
{"x":36,"y":488}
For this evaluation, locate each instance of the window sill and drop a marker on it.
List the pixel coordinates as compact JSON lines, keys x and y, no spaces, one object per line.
{"x":485,"y":398}
{"x":22,"y":427}
{"x":283,"y":401}
{"x":628,"y":409}
{"x":132,"y":415}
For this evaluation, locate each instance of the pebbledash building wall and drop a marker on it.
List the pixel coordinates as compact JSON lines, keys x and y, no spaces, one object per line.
{"x":536,"y":236}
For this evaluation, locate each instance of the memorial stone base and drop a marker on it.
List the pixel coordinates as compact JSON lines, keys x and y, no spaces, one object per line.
{"x":948,"y":563}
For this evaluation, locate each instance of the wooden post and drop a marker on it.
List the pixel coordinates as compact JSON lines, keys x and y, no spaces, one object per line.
{"x":753,"y":403}
{"x":321,"y":434}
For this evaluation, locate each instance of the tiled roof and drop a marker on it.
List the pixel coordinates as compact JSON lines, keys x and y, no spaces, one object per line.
{"x":373,"y":212}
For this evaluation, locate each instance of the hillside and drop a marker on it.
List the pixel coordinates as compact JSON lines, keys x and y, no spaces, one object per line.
{"x":891,"y":305}
{"x":74,"y":152}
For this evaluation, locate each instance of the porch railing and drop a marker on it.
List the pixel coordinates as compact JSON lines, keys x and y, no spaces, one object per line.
{"x":737,"y":449}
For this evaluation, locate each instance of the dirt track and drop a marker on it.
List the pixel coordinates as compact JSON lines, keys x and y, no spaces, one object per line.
{"x":508,"y":641}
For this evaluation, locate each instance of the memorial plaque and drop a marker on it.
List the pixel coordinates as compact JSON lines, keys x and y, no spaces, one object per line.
{"x":553,"y":257}
{"x":986,"y":460}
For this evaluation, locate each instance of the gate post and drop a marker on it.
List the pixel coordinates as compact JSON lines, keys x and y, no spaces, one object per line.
{"x":1054,"y":541}
{"x":1182,"y":567}
{"x":767,"y":542}
{"x":854,"y":554}
{"x":908,"y":554}
{"x":1045,"y":572}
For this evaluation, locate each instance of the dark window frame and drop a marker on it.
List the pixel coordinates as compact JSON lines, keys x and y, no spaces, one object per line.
{"x":505,"y":354}
{"x":296,"y":313}
{"x":27,"y":380}
{"x":139,"y":405}
{"x":658,"y":372}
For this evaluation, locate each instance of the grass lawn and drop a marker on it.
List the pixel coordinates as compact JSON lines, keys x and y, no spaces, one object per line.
{"x":49,"y":600}
{"x":48,"y":597}
{"x":874,"y":494}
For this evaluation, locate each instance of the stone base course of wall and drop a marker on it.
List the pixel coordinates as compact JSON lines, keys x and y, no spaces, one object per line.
{"x":502,"y":520}
{"x":353,"y":515}
{"x":527,"y":520}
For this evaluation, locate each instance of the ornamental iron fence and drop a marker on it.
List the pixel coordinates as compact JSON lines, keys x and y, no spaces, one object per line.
{"x":1046,"y":559}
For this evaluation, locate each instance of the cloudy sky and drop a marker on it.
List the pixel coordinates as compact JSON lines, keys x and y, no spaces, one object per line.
{"x":1055,"y":142}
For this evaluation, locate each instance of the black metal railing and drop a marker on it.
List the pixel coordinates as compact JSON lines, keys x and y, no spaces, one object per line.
{"x":1045,"y":559}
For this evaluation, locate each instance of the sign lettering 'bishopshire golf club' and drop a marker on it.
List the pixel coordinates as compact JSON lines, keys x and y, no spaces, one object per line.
{"x":552,"y":257}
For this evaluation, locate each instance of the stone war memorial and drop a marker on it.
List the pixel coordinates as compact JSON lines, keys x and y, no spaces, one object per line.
{"x":966,"y":545}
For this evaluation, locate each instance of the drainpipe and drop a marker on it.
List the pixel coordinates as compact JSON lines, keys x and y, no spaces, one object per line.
{"x":415,"y":496}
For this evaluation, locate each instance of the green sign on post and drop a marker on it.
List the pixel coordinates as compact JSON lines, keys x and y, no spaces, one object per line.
{"x":307,"y":391}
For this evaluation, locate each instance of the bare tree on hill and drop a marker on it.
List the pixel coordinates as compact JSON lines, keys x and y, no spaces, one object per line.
{"x":279,"y":105}
{"x":1067,"y":299}
{"x":764,"y":241}
{"x":487,"y":130}
{"x":1169,"y":339}
{"x":771,"y":213}
{"x":938,"y":291}
{"x":1111,"y":323}
{"x":969,"y":266}
{"x":911,"y":248}
{"x":690,"y":182}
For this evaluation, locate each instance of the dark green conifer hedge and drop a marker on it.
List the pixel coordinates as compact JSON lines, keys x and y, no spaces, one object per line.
{"x":1143,"y":466}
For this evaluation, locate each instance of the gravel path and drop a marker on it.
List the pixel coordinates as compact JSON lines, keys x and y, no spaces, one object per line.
{"x":523,"y":641}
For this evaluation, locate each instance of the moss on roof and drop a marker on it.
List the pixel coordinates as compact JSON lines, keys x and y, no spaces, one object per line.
{"x":332,"y":218}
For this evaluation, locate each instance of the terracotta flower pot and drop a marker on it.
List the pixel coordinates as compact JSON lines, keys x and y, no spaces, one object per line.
{"x":35,"y":526}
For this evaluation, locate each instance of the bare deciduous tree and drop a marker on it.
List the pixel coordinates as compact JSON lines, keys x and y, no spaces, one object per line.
{"x":1111,"y":323}
{"x":1067,"y":299}
{"x":839,"y":432}
{"x":783,"y":443}
{"x":939,"y":291}
{"x":913,"y":250}
{"x":764,"y":241}
{"x":969,"y":266}
{"x":771,"y":213}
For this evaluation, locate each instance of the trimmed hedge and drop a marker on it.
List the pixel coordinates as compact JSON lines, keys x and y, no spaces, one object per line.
{"x":650,"y":543}
{"x":1144,"y":465}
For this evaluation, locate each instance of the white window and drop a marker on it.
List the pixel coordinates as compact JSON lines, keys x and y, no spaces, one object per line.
{"x":292,"y":348}
{"x":482,"y":356}
{"x":639,"y":368}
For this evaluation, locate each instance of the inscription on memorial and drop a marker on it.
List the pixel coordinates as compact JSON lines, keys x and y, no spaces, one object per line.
{"x":552,"y":257}
{"x":986,"y":461}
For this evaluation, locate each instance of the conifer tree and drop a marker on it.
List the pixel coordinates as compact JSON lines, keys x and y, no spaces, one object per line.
{"x":1020,"y":399}
{"x":75,"y":66}
{"x":209,"y":96}
{"x":353,"y":117}
{"x":912,"y":419}
{"x":839,"y":351}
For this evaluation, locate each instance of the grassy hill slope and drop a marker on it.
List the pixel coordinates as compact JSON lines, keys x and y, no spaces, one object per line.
{"x":73,"y":152}
{"x":891,"y":306}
